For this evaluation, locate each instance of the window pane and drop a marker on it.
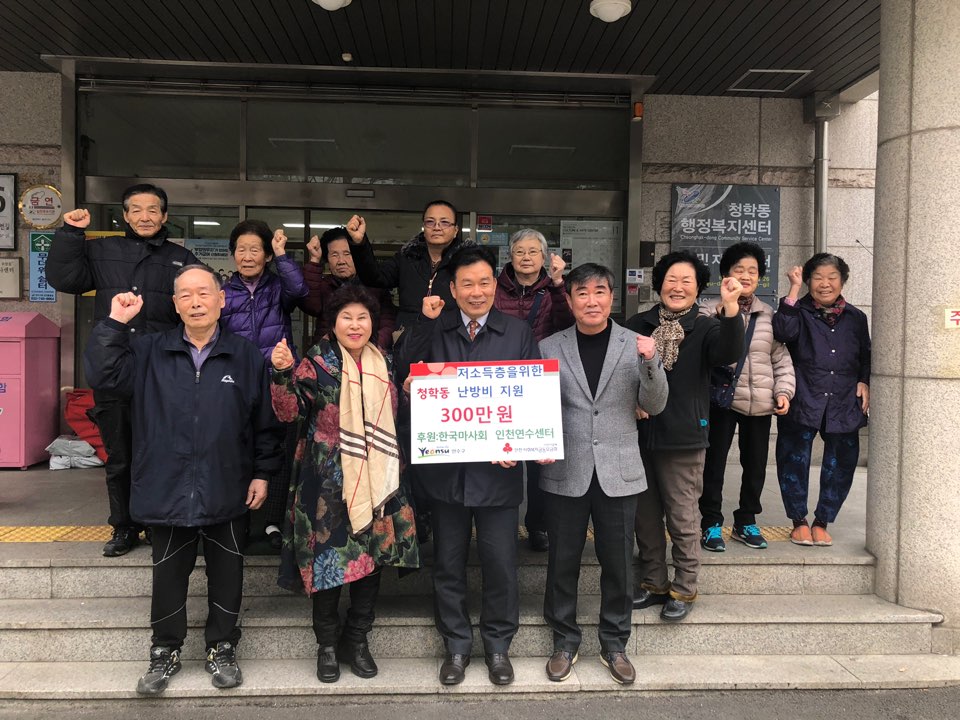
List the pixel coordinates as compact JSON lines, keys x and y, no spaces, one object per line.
{"x":138,"y":136}
{"x":577,"y":148}
{"x":182,"y":221}
{"x":358,"y":144}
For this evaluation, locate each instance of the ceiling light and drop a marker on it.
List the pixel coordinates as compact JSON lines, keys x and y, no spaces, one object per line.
{"x":206,"y":222}
{"x":347,"y":57}
{"x":332,"y":5}
{"x":607,"y":10}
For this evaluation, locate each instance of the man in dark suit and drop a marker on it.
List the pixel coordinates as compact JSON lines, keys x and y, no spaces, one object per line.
{"x":462,"y":494}
{"x":606,"y":373}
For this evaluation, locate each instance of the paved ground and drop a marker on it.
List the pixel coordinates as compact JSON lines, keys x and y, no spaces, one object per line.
{"x":933,"y":704}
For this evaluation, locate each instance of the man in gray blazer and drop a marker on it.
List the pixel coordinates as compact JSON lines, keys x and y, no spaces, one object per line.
{"x":606,"y":373}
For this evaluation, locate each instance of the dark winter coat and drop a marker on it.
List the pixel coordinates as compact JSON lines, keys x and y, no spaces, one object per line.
{"x":517,"y":300}
{"x":708,"y":341}
{"x":474,"y":484}
{"x":263,"y":317}
{"x":409,"y":271}
{"x":828,"y":363}
{"x":118,"y":264}
{"x":199,"y":438}
{"x":322,"y":285}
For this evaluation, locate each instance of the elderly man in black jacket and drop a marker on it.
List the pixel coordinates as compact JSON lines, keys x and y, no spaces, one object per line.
{"x":204,"y":442}
{"x":141,"y":261}
{"x":462,"y":494}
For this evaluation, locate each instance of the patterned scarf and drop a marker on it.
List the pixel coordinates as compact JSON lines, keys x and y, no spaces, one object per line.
{"x":368,"y":438}
{"x":668,"y":335}
{"x":830,"y":313}
{"x":746,"y":304}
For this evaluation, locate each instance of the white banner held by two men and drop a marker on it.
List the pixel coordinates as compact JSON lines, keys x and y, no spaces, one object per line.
{"x":485,"y":411}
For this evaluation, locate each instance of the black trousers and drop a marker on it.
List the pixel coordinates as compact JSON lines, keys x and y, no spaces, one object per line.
{"x":500,"y":597}
{"x":754,"y":442}
{"x":613,"y":520}
{"x":534,"y":520}
{"x":360,"y":615}
{"x":278,"y":486}
{"x":111,"y":413}
{"x":174,"y":557}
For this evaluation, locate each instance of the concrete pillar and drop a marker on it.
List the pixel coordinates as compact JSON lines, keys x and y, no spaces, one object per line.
{"x":913,"y":501}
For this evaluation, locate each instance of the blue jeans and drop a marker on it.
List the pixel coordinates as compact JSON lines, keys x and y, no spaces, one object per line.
{"x":840,"y":454}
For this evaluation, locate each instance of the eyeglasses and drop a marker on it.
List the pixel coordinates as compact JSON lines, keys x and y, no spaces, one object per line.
{"x":442,"y":224}
{"x":526,"y":253}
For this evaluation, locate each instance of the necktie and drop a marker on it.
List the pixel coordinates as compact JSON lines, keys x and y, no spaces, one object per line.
{"x":472,"y":329}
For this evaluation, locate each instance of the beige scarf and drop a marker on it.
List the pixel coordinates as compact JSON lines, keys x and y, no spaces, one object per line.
{"x":368,"y":438}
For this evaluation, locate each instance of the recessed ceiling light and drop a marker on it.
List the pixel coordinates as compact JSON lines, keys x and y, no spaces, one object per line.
{"x":332,"y":5}
{"x":347,"y":57}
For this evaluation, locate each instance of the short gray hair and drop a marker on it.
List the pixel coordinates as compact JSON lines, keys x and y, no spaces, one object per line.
{"x":527,"y":233}
{"x":198,"y":266}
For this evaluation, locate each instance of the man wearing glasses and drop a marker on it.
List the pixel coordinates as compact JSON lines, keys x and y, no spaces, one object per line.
{"x":419,"y":268}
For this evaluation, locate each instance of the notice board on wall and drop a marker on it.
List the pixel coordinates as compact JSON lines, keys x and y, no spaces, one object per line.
{"x":707,"y":219}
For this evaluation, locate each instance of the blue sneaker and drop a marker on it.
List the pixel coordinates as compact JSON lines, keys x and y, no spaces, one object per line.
{"x":749,"y":535}
{"x":712,"y":539}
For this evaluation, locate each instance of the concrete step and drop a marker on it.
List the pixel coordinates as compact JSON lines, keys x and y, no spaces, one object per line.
{"x":278,"y":681}
{"x":78,"y":570}
{"x":111,"y":629}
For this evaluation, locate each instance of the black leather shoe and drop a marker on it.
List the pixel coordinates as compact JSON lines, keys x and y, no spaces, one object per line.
{"x":675,"y":610}
{"x":499,"y":668}
{"x":358,"y":656}
{"x":645,"y":598}
{"x":539,"y":542}
{"x":453,"y":668}
{"x":328,"y":668}
{"x":123,"y":541}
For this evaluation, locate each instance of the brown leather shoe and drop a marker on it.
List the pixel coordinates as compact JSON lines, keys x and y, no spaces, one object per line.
{"x":620,"y":667}
{"x":453,"y":668}
{"x":560,"y":665}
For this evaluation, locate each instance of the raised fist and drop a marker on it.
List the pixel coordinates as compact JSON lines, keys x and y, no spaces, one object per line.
{"x":313,"y":250}
{"x":795,"y":276}
{"x":357,"y":227}
{"x":646,"y":347}
{"x":279,"y":242}
{"x":730,"y":289}
{"x":281,"y":357}
{"x":78,"y":218}
{"x":124,"y":306}
{"x":557,"y":266}
{"x":432,"y":306}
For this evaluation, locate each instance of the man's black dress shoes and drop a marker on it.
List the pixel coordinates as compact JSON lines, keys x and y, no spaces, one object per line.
{"x":644,"y":598}
{"x":675,"y":610}
{"x":499,"y":668}
{"x":453,"y":668}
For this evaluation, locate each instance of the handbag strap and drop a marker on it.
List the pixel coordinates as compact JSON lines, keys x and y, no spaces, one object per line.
{"x":746,"y":346}
{"x":535,"y":308}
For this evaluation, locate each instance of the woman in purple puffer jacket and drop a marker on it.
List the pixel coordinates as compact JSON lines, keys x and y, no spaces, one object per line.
{"x":531,"y":288}
{"x":259,"y":302}
{"x":258,"y":307}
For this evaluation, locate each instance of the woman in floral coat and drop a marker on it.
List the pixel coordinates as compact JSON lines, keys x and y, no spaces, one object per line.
{"x":347,"y":516}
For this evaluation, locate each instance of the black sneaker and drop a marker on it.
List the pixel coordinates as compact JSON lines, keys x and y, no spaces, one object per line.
{"x":749,"y":535}
{"x":164,"y":663}
{"x":712,"y":539}
{"x":222,"y":664}
{"x":123,"y":541}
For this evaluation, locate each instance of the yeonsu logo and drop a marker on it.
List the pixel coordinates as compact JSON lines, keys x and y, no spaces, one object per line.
{"x":433,"y":452}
